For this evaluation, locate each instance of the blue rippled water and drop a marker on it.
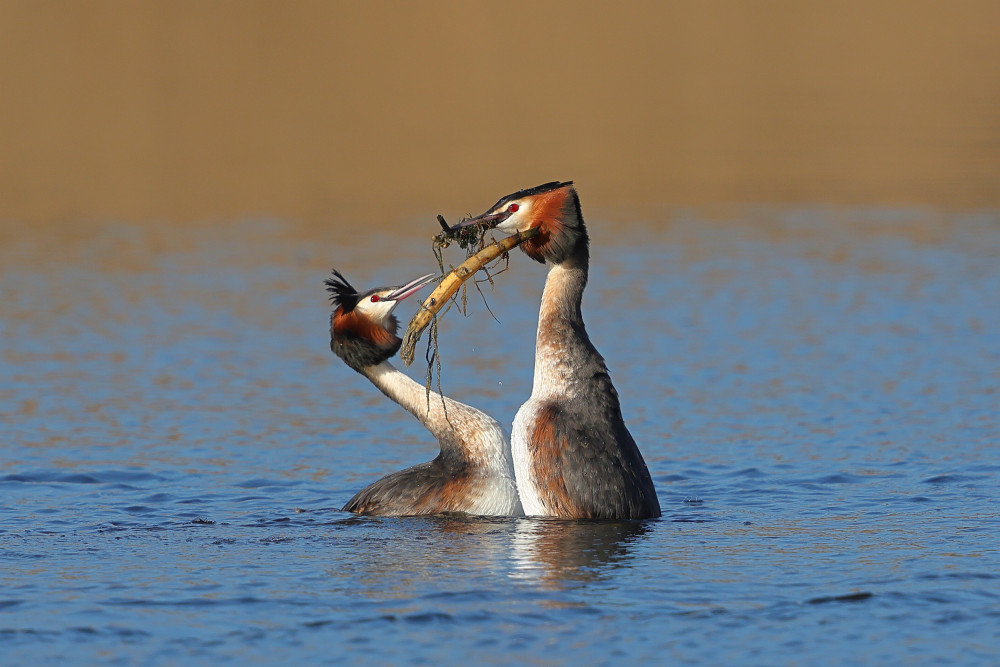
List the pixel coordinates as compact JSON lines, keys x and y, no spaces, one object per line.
{"x":817,"y":393}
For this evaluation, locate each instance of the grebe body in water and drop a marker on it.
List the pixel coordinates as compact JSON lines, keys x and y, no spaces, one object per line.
{"x":573,"y":455}
{"x":474,"y":471}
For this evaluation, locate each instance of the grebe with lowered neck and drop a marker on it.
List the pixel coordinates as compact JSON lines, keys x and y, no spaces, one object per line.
{"x":474,"y":472}
{"x":573,"y":455}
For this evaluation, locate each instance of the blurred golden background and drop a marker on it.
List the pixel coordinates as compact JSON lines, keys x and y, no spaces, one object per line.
{"x":385,"y":113}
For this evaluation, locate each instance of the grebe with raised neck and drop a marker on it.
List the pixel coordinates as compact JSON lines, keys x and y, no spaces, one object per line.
{"x":474,"y":472}
{"x":573,"y":455}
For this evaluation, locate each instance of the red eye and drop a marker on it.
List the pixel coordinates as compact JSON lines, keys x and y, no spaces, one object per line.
{"x":375,"y":298}
{"x":513,"y":208}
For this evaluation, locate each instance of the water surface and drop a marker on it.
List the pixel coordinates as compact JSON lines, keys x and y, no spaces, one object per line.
{"x":815,"y":390}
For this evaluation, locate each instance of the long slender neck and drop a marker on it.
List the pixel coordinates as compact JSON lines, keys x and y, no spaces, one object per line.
{"x":413,"y":397}
{"x":459,"y":428}
{"x":562,"y":344}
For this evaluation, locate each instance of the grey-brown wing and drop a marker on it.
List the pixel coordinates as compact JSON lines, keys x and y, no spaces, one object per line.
{"x":427,"y":488}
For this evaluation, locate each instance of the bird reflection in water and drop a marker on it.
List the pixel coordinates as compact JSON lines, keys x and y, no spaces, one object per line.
{"x":557,"y":554}
{"x":561,"y":553}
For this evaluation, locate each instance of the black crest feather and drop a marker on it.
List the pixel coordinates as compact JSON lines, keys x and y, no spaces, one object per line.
{"x":342,"y":293}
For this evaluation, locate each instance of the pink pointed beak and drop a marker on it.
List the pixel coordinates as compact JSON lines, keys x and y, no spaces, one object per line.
{"x":409,"y":288}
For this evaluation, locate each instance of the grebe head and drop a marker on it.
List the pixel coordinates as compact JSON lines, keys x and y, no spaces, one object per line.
{"x":362,"y":326}
{"x":552,"y":207}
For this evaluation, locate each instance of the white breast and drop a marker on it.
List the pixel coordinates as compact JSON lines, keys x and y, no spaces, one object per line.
{"x":499,"y":498}
{"x":497,"y":492}
{"x":526,"y":486}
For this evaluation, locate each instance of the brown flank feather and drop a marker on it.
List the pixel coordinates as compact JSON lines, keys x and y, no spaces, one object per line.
{"x":449,"y":497}
{"x":546,"y":466}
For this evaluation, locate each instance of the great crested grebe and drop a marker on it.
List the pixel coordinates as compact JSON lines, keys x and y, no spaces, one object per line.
{"x":573,"y":455}
{"x":474,"y":472}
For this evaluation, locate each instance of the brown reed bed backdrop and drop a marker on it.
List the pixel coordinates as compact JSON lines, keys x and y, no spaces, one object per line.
{"x":328,"y":113}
